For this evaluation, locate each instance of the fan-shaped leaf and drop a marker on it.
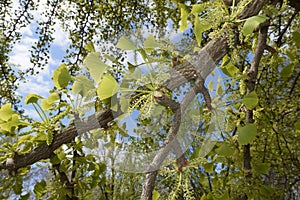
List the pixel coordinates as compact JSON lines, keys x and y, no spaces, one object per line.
{"x":252,"y":23}
{"x":126,"y":44}
{"x":61,"y":77}
{"x":95,"y":66}
{"x":250,"y":100}
{"x":107,"y":87}
{"x":246,"y":134}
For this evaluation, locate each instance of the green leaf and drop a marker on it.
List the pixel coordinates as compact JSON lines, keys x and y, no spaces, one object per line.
{"x":55,"y":160}
{"x":82,"y":85}
{"x":40,"y":137}
{"x":287,"y":71}
{"x":246,"y":134}
{"x":143,"y":53}
{"x":126,"y":44}
{"x":261,"y":168}
{"x":40,"y":188}
{"x":26,"y":147}
{"x":219,"y":89}
{"x":250,"y":100}
{"x":228,"y":68}
{"x":296,"y":38}
{"x":210,"y":86}
{"x":266,"y":191}
{"x":47,"y":103}
{"x":225,"y":150}
{"x":197,"y":8}
{"x":32,"y":98}
{"x":155,"y":195}
{"x":107,"y":87}
{"x":18,"y":187}
{"x":95,"y":66}
{"x":111,"y":58}
{"x":184,"y":17}
{"x":11,"y":124}
{"x":209,"y":167}
{"x":90,"y":47}
{"x":197,"y":30}
{"x":252,"y":23}
{"x":61,"y":77}
{"x":297,"y":125}
{"x":124,"y":103}
{"x":200,"y":27}
{"x":131,"y":67}
{"x":6,"y":112}
{"x":150,"y":43}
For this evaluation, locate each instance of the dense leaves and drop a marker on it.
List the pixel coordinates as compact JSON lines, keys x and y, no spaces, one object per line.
{"x":65,"y":154}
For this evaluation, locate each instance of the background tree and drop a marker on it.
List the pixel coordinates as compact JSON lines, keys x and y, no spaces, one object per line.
{"x":256,"y":154}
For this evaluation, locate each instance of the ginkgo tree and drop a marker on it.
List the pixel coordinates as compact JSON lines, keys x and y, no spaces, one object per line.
{"x":221,"y":123}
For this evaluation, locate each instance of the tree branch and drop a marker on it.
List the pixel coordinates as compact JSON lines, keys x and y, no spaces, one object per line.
{"x":252,"y":77}
{"x":203,"y":61}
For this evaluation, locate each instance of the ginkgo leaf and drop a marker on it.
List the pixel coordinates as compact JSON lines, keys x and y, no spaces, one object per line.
{"x":82,"y":85}
{"x":6,"y":112}
{"x":150,"y":42}
{"x":107,"y":87}
{"x":61,"y":77}
{"x":225,"y":150}
{"x":126,"y":44}
{"x":124,"y":103}
{"x":197,"y":8}
{"x":32,"y":98}
{"x":296,"y":38}
{"x":252,"y":23}
{"x":287,"y":71}
{"x":47,"y":103}
{"x":11,"y":124}
{"x":228,"y":68}
{"x":246,"y":134}
{"x":40,"y":188}
{"x":209,"y":167}
{"x":95,"y":66}
{"x":184,"y":18}
{"x":200,"y":27}
{"x":261,"y":168}
{"x":250,"y":100}
{"x":155,"y":195}
{"x":90,"y":47}
{"x":111,"y":58}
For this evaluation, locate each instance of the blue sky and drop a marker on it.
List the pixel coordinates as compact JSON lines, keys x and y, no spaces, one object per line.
{"x":39,"y":84}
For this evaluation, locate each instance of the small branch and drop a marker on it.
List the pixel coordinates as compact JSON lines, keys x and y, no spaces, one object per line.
{"x":279,"y":40}
{"x":294,"y":83}
{"x":170,"y":143}
{"x":270,"y":49}
{"x":209,"y":182}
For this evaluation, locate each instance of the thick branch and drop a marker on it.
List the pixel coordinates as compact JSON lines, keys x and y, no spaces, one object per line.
{"x":252,"y":77}
{"x":65,"y":136}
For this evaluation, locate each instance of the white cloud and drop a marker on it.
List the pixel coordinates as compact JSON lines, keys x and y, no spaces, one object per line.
{"x":61,"y":38}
